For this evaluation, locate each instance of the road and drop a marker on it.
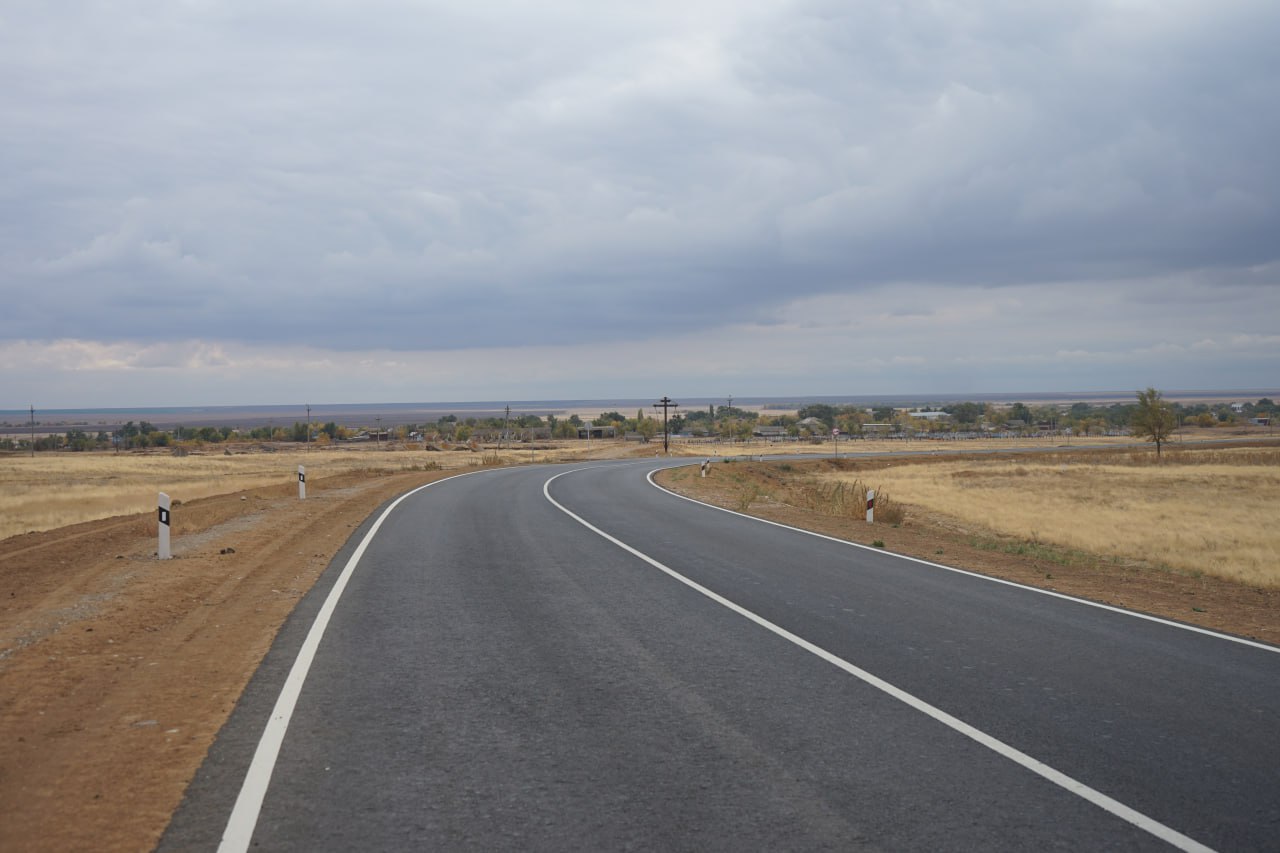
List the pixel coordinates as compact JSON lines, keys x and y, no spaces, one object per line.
{"x":571,"y":658}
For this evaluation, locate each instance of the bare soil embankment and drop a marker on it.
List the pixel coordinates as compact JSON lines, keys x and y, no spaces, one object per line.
{"x":117,"y":670}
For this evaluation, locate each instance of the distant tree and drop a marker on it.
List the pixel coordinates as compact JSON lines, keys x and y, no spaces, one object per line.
{"x":850,"y":420}
{"x":1153,"y":418}
{"x":1019,"y":412}
{"x":1119,"y":414}
{"x":821,"y":411}
{"x":964,"y":413}
{"x":78,"y":439}
{"x":1045,"y":414}
{"x":882,"y":414}
{"x":213,"y":435}
{"x":736,"y":413}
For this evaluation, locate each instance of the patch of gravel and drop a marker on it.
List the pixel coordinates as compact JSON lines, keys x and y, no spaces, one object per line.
{"x":189,"y":543}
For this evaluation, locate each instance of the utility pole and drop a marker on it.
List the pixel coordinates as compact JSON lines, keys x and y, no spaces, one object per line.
{"x":33,"y":430}
{"x":665,"y":403}
{"x":308,"y":426}
{"x":377,"y":438}
{"x":505,"y":421}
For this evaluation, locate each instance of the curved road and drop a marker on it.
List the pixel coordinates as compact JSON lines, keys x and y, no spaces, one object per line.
{"x":571,"y":658}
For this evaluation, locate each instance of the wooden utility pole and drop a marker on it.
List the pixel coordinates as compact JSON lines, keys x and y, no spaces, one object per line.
{"x":665,"y":403}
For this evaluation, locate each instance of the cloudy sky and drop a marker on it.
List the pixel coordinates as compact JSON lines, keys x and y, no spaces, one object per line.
{"x":258,"y":202}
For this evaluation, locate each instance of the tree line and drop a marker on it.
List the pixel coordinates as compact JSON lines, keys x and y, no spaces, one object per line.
{"x":727,"y":422}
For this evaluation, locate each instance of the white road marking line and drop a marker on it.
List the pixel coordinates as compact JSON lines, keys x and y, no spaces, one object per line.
{"x":1196,"y":629}
{"x":244,"y":815}
{"x":1115,"y":807}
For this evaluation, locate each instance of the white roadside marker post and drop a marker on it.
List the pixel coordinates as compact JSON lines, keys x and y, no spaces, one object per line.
{"x":871,"y":506}
{"x":162,"y":551}
{"x":704,"y":468}
{"x":302,"y":483}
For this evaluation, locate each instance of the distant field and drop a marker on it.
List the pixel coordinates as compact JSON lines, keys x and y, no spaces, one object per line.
{"x":57,"y":489}
{"x":1210,"y":511}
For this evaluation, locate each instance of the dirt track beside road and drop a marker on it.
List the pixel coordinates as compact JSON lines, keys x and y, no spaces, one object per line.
{"x":117,"y":670}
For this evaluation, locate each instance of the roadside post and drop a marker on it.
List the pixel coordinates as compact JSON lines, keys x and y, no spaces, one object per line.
{"x":162,"y":550}
{"x":835,"y":441}
{"x":871,"y":506}
{"x":706,"y":463}
{"x":302,"y":483}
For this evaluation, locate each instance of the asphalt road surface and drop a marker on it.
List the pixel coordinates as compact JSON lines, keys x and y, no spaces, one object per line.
{"x":513,"y":661}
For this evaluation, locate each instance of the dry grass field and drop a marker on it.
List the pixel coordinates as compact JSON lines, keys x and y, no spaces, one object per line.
{"x":54,"y":490}
{"x":1210,"y":511}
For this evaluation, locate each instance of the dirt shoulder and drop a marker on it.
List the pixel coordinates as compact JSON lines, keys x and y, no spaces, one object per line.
{"x":117,"y":670}
{"x":1205,"y":600}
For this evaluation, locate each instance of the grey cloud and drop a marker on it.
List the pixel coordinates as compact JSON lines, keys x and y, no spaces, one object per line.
{"x":405,"y":176}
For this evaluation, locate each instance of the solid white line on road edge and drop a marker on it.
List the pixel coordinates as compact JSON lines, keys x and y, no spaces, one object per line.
{"x":1115,"y":807}
{"x":244,"y":815}
{"x":1195,"y":629}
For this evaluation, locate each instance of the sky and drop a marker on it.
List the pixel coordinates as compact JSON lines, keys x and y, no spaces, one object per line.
{"x":221,"y":203}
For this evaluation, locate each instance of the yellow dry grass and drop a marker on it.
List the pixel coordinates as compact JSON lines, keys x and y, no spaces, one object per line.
{"x":1209,"y":511}
{"x":54,"y":490}
{"x":824,"y":447}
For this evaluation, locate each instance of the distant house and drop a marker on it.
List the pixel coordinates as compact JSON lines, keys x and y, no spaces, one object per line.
{"x":593,"y":431}
{"x":769,"y":432}
{"x":877,"y":428}
{"x":1264,"y":420}
{"x":813,"y":425}
{"x":932,"y":416}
